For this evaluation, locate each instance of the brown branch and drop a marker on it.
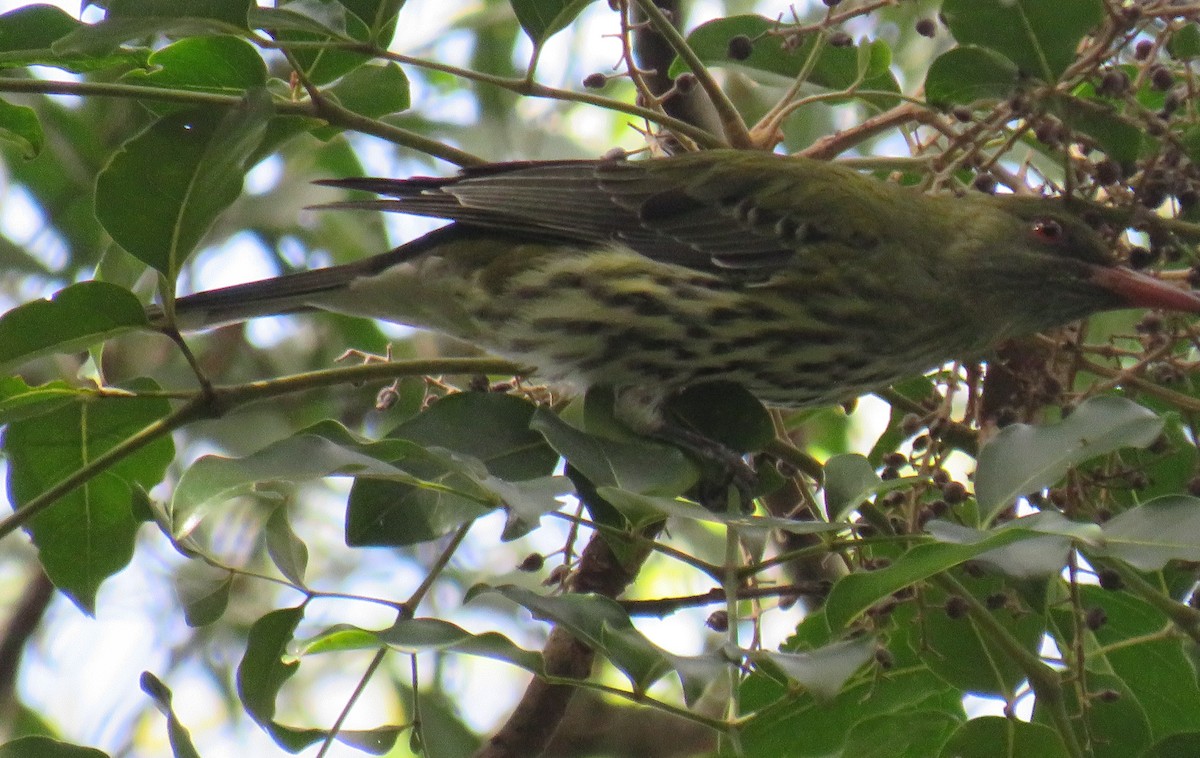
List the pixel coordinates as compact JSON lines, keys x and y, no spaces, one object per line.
{"x":22,"y":624}
{"x":830,"y":146}
{"x":653,"y":55}
{"x":665,"y":606}
{"x":541,"y":709}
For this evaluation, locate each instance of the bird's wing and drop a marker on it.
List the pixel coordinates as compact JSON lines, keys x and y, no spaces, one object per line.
{"x":717,"y":210}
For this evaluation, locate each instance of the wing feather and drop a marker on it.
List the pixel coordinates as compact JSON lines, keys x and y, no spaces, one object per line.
{"x":714,"y":211}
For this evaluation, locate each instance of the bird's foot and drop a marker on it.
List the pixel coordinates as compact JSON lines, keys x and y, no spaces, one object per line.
{"x":721,"y":468}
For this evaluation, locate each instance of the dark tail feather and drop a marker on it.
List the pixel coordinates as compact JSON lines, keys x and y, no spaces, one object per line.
{"x":292,"y":293}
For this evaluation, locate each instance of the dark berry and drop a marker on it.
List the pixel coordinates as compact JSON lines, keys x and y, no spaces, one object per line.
{"x":840,"y":39}
{"x":954,"y":493}
{"x":1140,"y":257}
{"x":718,"y":621}
{"x":1114,"y":83}
{"x":1108,"y":172}
{"x":1161,"y":78}
{"x":740,"y":47}
{"x":1110,"y":580}
{"x":985,"y":183}
{"x":1048,"y":132}
{"x":956,"y":607}
{"x":532,"y":562}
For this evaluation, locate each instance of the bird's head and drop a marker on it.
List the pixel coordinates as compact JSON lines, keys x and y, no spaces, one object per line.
{"x":1036,"y":264}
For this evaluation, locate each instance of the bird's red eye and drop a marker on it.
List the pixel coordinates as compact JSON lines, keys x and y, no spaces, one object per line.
{"x":1047,"y":230}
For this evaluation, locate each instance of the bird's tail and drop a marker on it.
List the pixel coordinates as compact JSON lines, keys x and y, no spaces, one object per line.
{"x":293,"y":293}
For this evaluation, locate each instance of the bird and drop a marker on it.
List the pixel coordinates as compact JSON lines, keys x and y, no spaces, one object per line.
{"x":805,"y":282}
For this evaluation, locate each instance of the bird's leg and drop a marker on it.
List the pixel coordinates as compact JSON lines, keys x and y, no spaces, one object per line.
{"x":726,"y":467}
{"x":714,"y":422}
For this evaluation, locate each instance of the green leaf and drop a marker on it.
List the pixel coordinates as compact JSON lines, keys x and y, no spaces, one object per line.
{"x":907,"y":690}
{"x":652,"y":509}
{"x":509,"y":448}
{"x":330,"y":16}
{"x":894,"y":734}
{"x":1117,"y":727}
{"x":288,"y":552}
{"x":440,"y":492}
{"x":159,"y":210}
{"x":424,"y":635}
{"x":969,"y":74}
{"x":406,"y":492}
{"x":1180,"y":745}
{"x":836,"y":68}
{"x":849,"y":480}
{"x":300,"y":17}
{"x":1184,"y":43}
{"x":221,"y":65}
{"x":19,"y":126}
{"x":311,"y":21}
{"x":509,"y":465}
{"x":373,"y":91}
{"x":989,"y":736}
{"x":29,"y":34}
{"x":19,"y":401}
{"x":379,"y":15}
{"x":1122,"y":140}
{"x":825,"y":670}
{"x":88,"y":534}
{"x":382,"y":513}
{"x":310,"y":454}
{"x":177,"y":733}
{"x":723,"y":412}
{"x":604,"y":626}
{"x":1147,"y":537}
{"x":542,"y":19}
{"x":1039,"y":36}
{"x":74,"y":319}
{"x":136,"y":19}
{"x":854,"y":594}
{"x":635,"y":465}
{"x":44,"y":747}
{"x":958,"y":651}
{"x":1169,"y":465}
{"x":34,"y":27}
{"x":263,"y":671}
{"x":1159,"y":671}
{"x":1023,"y":459}
{"x":1033,"y":558}
{"x":204,"y":592}
{"x":229,"y":11}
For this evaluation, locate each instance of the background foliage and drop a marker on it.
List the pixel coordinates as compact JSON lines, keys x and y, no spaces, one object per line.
{"x":346,"y":556}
